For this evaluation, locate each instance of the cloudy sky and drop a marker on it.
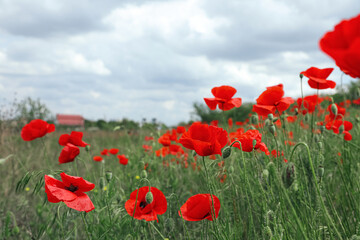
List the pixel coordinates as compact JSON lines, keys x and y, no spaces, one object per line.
{"x":152,"y":59}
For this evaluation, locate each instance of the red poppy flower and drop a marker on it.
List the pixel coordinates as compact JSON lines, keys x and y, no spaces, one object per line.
{"x":343,"y":45}
{"x":70,"y":191}
{"x":113,"y":151}
{"x":317,"y":78}
{"x":223,"y":98}
{"x":247,"y":140}
{"x":104,"y":152}
{"x":356,"y":101}
{"x":165,"y":139}
{"x":74,"y":138}
{"x":163,"y":152}
{"x":331,"y":116}
{"x":68,"y":153}
{"x":122,"y":159}
{"x":200,"y":207}
{"x":271,"y":100}
{"x":145,"y":210}
{"x":214,"y":123}
{"x":204,"y":139}
{"x":97,"y":158}
{"x":180,"y":129}
{"x":36,"y":129}
{"x":309,"y":103}
{"x":335,"y":126}
{"x":147,"y":138}
{"x":147,"y":148}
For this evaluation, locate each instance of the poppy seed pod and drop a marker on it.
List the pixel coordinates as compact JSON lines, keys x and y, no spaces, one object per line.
{"x":272,"y":129}
{"x":341,"y":129}
{"x":301,"y":75}
{"x":149,"y":197}
{"x":254,"y":119}
{"x":87,"y":148}
{"x":108,"y":176}
{"x":226,"y":152}
{"x":288,"y":175}
{"x":102,"y":183}
{"x":254,"y":143}
{"x":334,"y":109}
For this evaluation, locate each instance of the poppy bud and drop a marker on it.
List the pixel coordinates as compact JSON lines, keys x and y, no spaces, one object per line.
{"x":270,"y":217}
{"x":16,"y":230}
{"x":320,"y":145}
{"x":108,"y":176}
{"x":288,"y":175}
{"x":301,"y":75}
{"x":193,"y":153}
{"x":334,"y":109}
{"x":267,"y":232}
{"x":322,"y":129}
{"x":226,"y":152}
{"x":265,"y":174}
{"x":341,"y":129}
{"x":87,"y":148}
{"x":271,"y":116}
{"x":296,"y":111}
{"x":143,"y":174}
{"x":272,"y":129}
{"x":254,"y":119}
{"x":295,"y":186}
{"x":321,"y":171}
{"x":254,"y":143}
{"x":231,"y":169}
{"x":306,"y":118}
{"x":252,"y":128}
{"x":149,"y":197}
{"x":102,"y":183}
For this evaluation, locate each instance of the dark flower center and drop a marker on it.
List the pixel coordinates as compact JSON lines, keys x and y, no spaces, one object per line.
{"x":72,"y":188}
{"x":143,"y":204}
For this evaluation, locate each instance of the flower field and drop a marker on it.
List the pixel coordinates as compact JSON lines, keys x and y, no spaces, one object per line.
{"x":291,"y":170}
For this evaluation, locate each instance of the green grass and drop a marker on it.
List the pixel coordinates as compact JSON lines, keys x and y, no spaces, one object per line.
{"x":313,"y":196}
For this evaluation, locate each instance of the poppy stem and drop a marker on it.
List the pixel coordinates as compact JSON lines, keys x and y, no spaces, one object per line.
{"x":213,"y":214}
{"x":317,"y":189}
{"x":86,"y":225}
{"x":45,"y":152}
{"x":157,"y":230}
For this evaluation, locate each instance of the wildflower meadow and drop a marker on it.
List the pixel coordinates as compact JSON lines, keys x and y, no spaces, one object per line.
{"x":290,"y":170}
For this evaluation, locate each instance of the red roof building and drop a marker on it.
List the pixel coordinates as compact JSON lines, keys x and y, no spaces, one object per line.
{"x":70,"y":120}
